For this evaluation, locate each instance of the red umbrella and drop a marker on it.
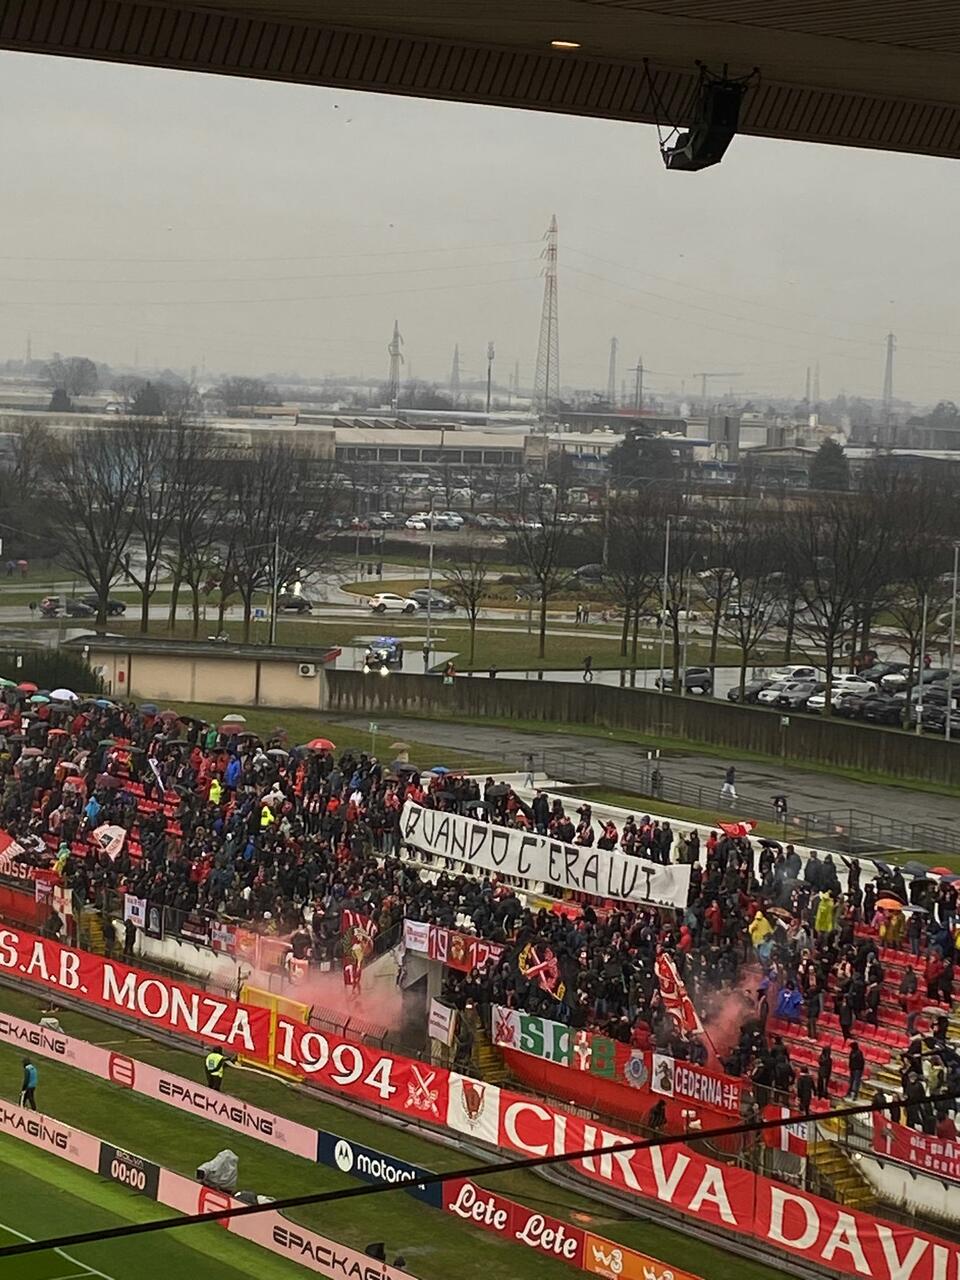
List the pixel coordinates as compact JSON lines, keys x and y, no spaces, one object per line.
{"x":321,"y":744}
{"x":737,"y":830}
{"x":27,"y":686}
{"x":941,"y":871}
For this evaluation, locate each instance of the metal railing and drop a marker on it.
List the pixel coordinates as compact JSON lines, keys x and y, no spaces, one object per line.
{"x":852,"y":831}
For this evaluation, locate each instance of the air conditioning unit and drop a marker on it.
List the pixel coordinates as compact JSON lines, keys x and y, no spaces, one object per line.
{"x":308,"y":668}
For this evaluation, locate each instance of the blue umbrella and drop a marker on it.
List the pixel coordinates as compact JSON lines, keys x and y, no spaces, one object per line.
{"x":149,"y":708}
{"x":103,"y":702}
{"x":439,"y":768}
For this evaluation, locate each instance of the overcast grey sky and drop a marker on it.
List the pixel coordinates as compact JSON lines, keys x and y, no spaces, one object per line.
{"x":249,"y":226}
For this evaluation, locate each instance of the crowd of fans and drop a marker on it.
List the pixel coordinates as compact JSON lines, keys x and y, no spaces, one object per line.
{"x":285,"y":838}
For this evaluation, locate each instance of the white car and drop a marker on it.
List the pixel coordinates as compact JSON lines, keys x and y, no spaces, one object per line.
{"x":415,"y":522}
{"x":793,"y":673}
{"x":773,"y":691}
{"x":385,"y":602}
{"x":852,"y":683}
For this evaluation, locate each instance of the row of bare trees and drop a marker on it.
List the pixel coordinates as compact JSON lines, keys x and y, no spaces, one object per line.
{"x":148,"y":502}
{"x":811,"y":575}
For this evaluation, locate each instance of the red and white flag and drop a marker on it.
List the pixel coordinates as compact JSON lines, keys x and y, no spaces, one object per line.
{"x":676,"y":1000}
{"x":792,"y":1137}
{"x":357,"y":934}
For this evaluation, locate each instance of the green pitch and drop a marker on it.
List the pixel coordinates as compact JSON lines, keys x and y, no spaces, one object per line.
{"x":42,"y":1196}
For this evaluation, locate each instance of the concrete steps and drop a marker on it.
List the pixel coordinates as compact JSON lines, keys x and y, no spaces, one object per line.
{"x":839,"y":1171}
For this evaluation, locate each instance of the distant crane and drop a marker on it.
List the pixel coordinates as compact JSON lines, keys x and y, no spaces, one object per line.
{"x":703,"y":381}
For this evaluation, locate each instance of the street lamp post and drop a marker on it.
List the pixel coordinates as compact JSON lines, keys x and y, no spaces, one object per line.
{"x":663,"y":604}
{"x":490,"y":354}
{"x":275,"y":594}
{"x":429,"y":590}
{"x":953,"y":636}
{"x":923,"y":649}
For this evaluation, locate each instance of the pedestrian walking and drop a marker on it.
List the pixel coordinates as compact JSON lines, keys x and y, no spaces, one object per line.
{"x":528,"y":766}
{"x":28,"y":1086}
{"x":729,"y":789}
{"x":804,"y":1090}
{"x":588,"y":669}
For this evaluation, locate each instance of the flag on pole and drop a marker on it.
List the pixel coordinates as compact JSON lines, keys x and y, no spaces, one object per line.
{"x":792,"y":1137}
{"x":675,"y":997}
{"x":357,"y":934}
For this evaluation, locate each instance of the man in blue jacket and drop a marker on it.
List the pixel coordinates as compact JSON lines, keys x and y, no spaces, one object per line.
{"x":28,"y":1088}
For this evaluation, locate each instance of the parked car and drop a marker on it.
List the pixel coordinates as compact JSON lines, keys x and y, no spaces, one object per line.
{"x":852,"y":683}
{"x":882,"y":709}
{"x":696,"y":680}
{"x":751,"y":691}
{"x":288,"y":602}
{"x":794,"y":697}
{"x":114,"y":607}
{"x":793,"y":673}
{"x":768,"y":696}
{"x":934,"y":720}
{"x":78,"y":609}
{"x":906,"y":679}
{"x":434,"y":599}
{"x":589,"y":573}
{"x":416,"y":522}
{"x":847,"y":705}
{"x":387,"y":602}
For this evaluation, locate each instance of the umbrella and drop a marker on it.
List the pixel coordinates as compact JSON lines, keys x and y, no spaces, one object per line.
{"x":32,"y":751}
{"x":27,"y":686}
{"x":737,"y":830}
{"x":498,"y":789}
{"x":890,"y":904}
{"x":7,"y":684}
{"x":229,"y":727}
{"x":771,"y":844}
{"x":57,"y":733}
{"x":107,"y":742}
{"x":404,"y":766}
{"x":104,"y":704}
{"x":915,"y":869}
{"x":321,"y":744}
{"x":781,"y":912}
{"x":399,"y":746}
{"x":68,"y":766}
{"x":64,"y":695}
{"x":440,"y":768}
{"x":279,"y":752}
{"x":109,"y":781}
{"x":941,"y":871}
{"x":149,"y":708}
{"x":38,"y":699}
{"x":177,"y":742}
{"x":234,"y":718}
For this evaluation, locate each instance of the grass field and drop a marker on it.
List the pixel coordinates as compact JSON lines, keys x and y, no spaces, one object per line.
{"x":435,"y":1245}
{"x":43,"y":1196}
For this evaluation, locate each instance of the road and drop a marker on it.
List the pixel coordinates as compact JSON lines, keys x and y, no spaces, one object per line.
{"x":807,"y":792}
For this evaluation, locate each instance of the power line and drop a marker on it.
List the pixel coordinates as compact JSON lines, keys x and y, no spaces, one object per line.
{"x":470,"y":1172}
{"x":300,"y":257}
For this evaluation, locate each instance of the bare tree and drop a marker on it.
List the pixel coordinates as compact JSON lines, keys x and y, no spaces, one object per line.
{"x":634,"y":559}
{"x":31,"y":455}
{"x":755,"y":603}
{"x":468,"y":579}
{"x":191,"y":550}
{"x":540,"y":539}
{"x":94,"y":489}
{"x":75,"y":375}
{"x":834,"y":543}
{"x":280,"y":507}
{"x":686,"y":542}
{"x":920,"y":556}
{"x":154,"y":451}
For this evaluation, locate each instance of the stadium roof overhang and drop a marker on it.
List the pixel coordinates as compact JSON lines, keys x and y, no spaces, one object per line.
{"x":870,"y":73}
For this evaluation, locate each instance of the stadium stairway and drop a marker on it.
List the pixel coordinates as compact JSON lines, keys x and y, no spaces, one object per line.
{"x":487,"y":1059}
{"x":836,"y":1168}
{"x":91,"y":930}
